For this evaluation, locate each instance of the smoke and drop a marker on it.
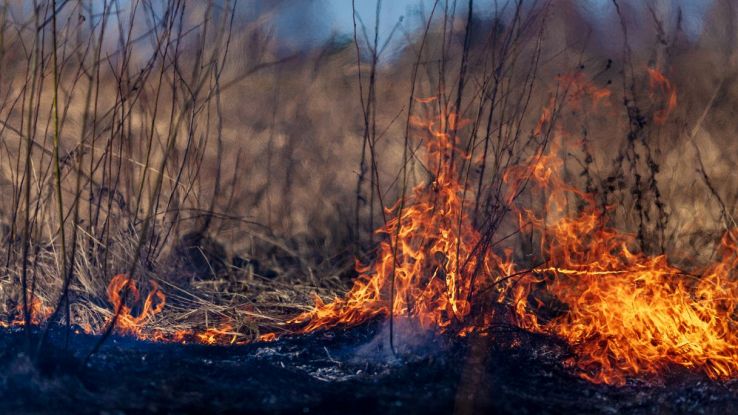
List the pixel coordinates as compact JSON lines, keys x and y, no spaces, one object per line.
{"x":403,"y":337}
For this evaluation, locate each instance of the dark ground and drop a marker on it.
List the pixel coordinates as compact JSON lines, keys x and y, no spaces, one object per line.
{"x":343,"y":371}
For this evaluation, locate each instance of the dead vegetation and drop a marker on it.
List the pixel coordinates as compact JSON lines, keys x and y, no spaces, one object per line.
{"x":182,"y":142}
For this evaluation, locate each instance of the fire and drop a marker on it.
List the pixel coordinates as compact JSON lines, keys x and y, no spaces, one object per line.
{"x":426,"y":267}
{"x":627,"y":314}
{"x":659,"y":84}
{"x":122,"y":288}
{"x":38,"y":311}
{"x":136,"y":317}
{"x":575,"y":89}
{"x":215,"y":335}
{"x":139,"y":325}
{"x":432,"y":262}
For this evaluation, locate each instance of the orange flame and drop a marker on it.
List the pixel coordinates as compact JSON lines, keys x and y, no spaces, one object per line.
{"x":427,"y":267}
{"x":658,"y":83}
{"x":138,"y":325}
{"x":126,"y":322}
{"x":627,"y":314}
{"x":630,"y":314}
{"x":39,"y":312}
{"x":574,"y":89}
{"x":215,"y":335}
{"x":124,"y":296}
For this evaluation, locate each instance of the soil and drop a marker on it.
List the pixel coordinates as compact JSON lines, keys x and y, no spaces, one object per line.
{"x":341,"y":371}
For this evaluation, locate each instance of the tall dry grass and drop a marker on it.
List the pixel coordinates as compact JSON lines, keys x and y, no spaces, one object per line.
{"x":184,"y":142}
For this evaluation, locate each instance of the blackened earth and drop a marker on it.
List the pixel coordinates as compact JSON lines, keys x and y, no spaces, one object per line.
{"x":342,"y":371}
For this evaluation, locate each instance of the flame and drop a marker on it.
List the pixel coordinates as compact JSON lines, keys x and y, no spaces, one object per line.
{"x":545,"y":117}
{"x":139,"y":325}
{"x":575,"y":89}
{"x":39,"y":312}
{"x":626,"y":314}
{"x":124,"y":296}
{"x":659,"y":84}
{"x":432,"y":262}
{"x":267,"y":337}
{"x":629,"y":314}
{"x":214,"y":335}
{"x":122,"y":288}
{"x":427,"y":267}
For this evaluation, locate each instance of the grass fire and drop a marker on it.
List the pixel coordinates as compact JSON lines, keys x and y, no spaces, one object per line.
{"x":521,"y":206}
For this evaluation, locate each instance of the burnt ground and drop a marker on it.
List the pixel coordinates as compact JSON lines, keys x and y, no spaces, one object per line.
{"x":343,"y":371}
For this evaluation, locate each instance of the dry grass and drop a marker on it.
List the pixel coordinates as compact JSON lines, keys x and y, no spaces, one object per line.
{"x":180,"y":118}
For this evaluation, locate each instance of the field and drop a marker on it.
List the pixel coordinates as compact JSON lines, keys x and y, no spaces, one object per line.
{"x":186,"y":172}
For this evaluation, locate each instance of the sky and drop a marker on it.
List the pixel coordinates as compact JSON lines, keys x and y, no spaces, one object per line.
{"x":302,"y":24}
{"x":334,"y":17}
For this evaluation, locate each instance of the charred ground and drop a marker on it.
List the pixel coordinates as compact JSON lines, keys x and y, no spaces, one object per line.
{"x":511,"y":372}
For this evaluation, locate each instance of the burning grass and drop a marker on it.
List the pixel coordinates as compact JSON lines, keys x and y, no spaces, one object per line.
{"x":626,"y":314}
{"x":492,"y":226}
